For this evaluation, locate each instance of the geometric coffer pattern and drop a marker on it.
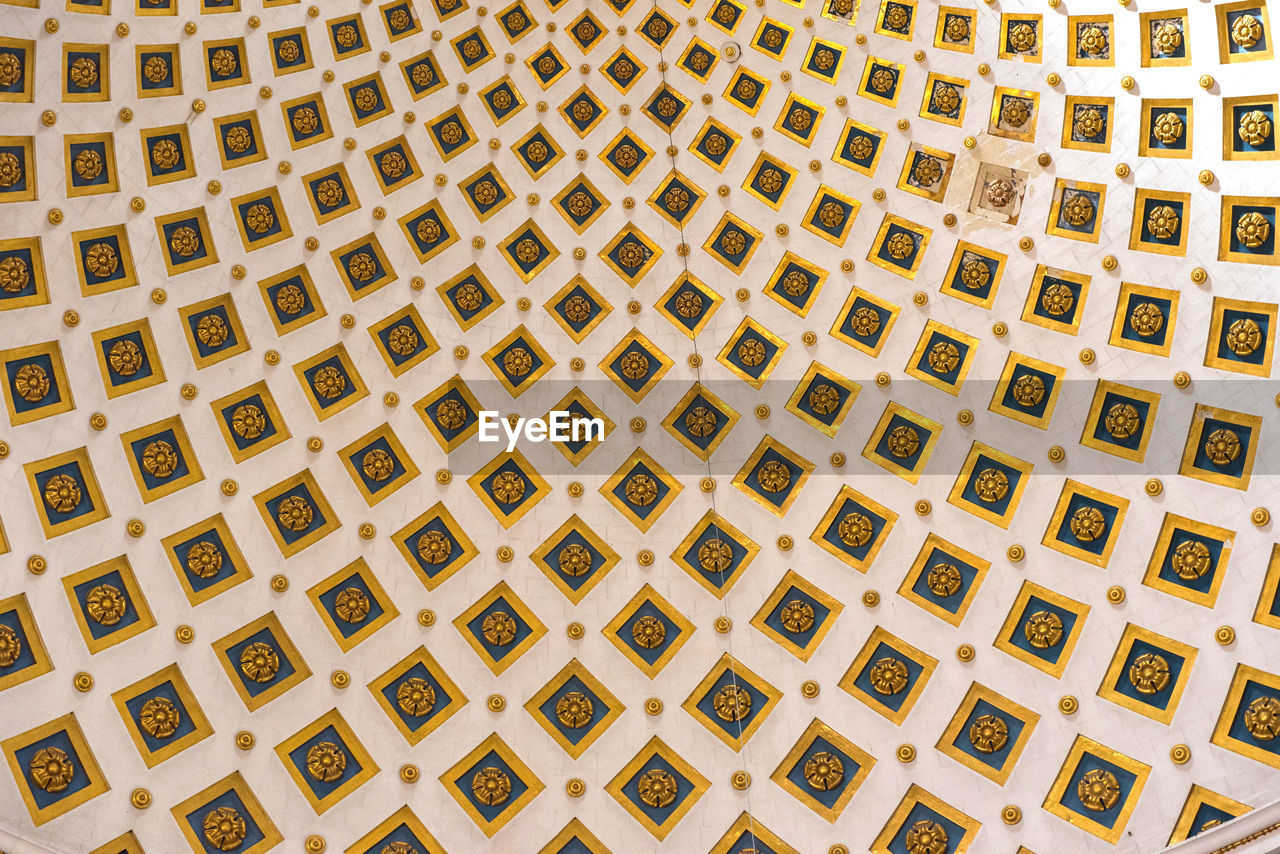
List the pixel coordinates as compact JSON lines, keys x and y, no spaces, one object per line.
{"x":931,"y":347}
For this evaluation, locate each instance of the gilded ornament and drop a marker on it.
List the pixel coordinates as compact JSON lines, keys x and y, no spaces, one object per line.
{"x":944,"y":357}
{"x":732,"y":703}
{"x":451,"y":414}
{"x":1167,"y":38}
{"x":259,"y":661}
{"x":1022,"y":38}
{"x":507,"y":486}
{"x":888,"y":676}
{"x":101,"y":260}
{"x":1146,"y":319}
{"x":1162,"y":222}
{"x":944,"y":580}
{"x":1149,"y":673}
{"x":1252,"y":230}
{"x":259,"y":218}
{"x":1092,"y":40}
{"x":1254,"y":128}
{"x":1028,"y":390}
{"x":988,"y":733}
{"x":326,"y":762}
{"x":291,"y":299}
{"x":204,"y":559}
{"x":902,"y":441}
{"x":882,"y":80}
{"x":528,"y":250}
{"x":366,"y":98}
{"x":824,"y":399}
{"x":1077,"y":209}
{"x":657,"y":788}
{"x":975,"y":274}
{"x":329,"y":382}
{"x":925,"y":836}
{"x":927,"y":171}
{"x":485,"y":192}
{"x":584,"y":110}
{"x":641,"y":490}
{"x":998,"y":193}
{"x":10,"y":69}
{"x":1087,"y":524}
{"x":715,"y":555}
{"x":62,"y":493}
{"x":824,"y":59}
{"x":1098,"y":789}
{"x":352,"y":605}
{"x":732,"y":241}
{"x":770,"y":181}
{"x":751,"y":352}
{"x":957,"y":28}
{"x":491,"y":786}
{"x":346,"y":35}
{"x":1222,"y":447}
{"x":165,"y":154}
{"x":223,"y":62}
{"x":499,"y":628}
{"x":415,"y":696}
{"x":329,"y":193}
{"x":1262,"y":718}
{"x":294,"y":513}
{"x":160,"y":459}
{"x":1244,"y":336}
{"x":468,"y":297}
{"x":900,"y":244}
{"x":84,"y":72}
{"x":288,"y":50}
{"x":574,"y":710}
{"x":861,"y":147}
{"x":1168,"y":128}
{"x":31,"y":382}
{"x":15,"y":275}
{"x":305,"y":121}
{"x":575,"y":560}
{"x":377,"y":464}
{"x":797,"y":616}
{"x":1122,"y":421}
{"x":632,"y":255}
{"x":159,"y":717}
{"x":823,"y":771}
{"x":224,"y":828}
{"x":10,"y":646}
{"x":946,"y":99}
{"x":1191,"y":559}
{"x":402,"y":340}
{"x":88,"y":164}
{"x":212,"y":330}
{"x":422,"y":75}
{"x":865,"y":321}
{"x":1246,"y":31}
{"x":795,"y":283}
{"x":649,"y":632}
{"x":106,"y":605}
{"x":1043,"y":629}
{"x":51,"y":770}
{"x":774,"y":476}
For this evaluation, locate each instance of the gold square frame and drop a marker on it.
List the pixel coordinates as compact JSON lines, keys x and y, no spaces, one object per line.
{"x":1053,"y":800}
{"x":656,"y":747}
{"x":1164,"y":544}
{"x":501,"y":590}
{"x":916,"y":795}
{"x":597,"y":727}
{"x":352,"y":745}
{"x":301,"y":672}
{"x":273,"y":416}
{"x":232,"y":782}
{"x":398,"y":451}
{"x":441,"y":512}
{"x":926,"y":663}
{"x":396,"y":671}
{"x":981,"y":693}
{"x":931,"y":543}
{"x":1187,"y":466}
{"x":190,"y":707}
{"x":367,"y":627}
{"x":88,"y":484}
{"x":817,"y":729}
{"x":493,"y":743}
{"x":1096,"y":417}
{"x":648,"y":594}
{"x":896,"y":410}
{"x":1013,"y":623}
{"x":88,"y":765}
{"x":218,"y":525}
{"x":740,"y":672}
{"x":1134,"y":633}
{"x":789,"y":580}
{"x":302,"y":478}
{"x":186,"y":453}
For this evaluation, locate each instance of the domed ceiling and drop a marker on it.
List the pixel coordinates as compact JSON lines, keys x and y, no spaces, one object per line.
{"x":929,"y":351}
